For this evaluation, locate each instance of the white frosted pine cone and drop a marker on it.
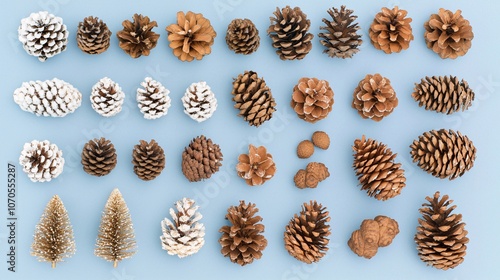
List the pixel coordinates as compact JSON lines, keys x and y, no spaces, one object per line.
{"x":107,"y":97}
{"x":43,"y":35}
{"x":183,"y":235}
{"x":153,"y":99}
{"x":199,"y":102}
{"x":41,"y":160}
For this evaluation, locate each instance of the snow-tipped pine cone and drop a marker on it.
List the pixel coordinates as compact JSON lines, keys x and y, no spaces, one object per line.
{"x":42,"y":161}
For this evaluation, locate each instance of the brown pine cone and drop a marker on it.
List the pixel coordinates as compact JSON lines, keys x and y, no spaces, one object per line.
{"x":306,"y":234}
{"x":98,"y":157}
{"x":445,"y":95}
{"x":289,"y":31}
{"x":441,"y":236}
{"x":93,"y":35}
{"x":391,"y":30}
{"x":340,"y":37}
{"x":447,"y":34}
{"x":242,"y":36}
{"x":374,"y":97}
{"x":312,"y":99}
{"x":243,"y":242}
{"x":201,"y":159}
{"x":148,"y":160}
{"x":444,"y":153}
{"x":373,"y":234}
{"x":137,"y":37}
{"x":253,"y":98}
{"x":257,"y":166}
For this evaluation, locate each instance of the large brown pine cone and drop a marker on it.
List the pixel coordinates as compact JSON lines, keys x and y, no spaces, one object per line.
{"x":148,"y":160}
{"x":138,"y":38}
{"x":257,"y":166}
{"x":391,"y":30}
{"x":201,"y":159}
{"x":99,"y":157}
{"x":242,"y":36}
{"x":372,"y":234}
{"x":374,"y":97}
{"x":340,"y":35}
{"x":312,"y":99}
{"x":93,"y":35}
{"x":441,"y":236}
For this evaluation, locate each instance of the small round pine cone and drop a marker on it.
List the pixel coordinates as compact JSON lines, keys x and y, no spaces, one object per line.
{"x":312,"y":99}
{"x":391,"y":30}
{"x":305,"y":149}
{"x":107,"y":97}
{"x":374,"y":98}
{"x":242,"y":36}
{"x":148,"y":160}
{"x":199,"y":102}
{"x":93,"y":35}
{"x":257,"y":166}
{"x":321,"y":140}
{"x":98,"y":157}
{"x":42,"y":161}
{"x":137,"y":37}
{"x":340,"y":36}
{"x":153,"y":99}
{"x":201,"y":159}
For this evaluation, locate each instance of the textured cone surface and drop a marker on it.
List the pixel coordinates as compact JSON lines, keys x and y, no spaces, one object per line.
{"x":54,"y":98}
{"x":340,"y":34}
{"x":253,"y":98}
{"x":201,"y":159}
{"x":242,"y":242}
{"x":41,"y":161}
{"x":191,"y":37}
{"x":99,"y":157}
{"x":312,"y":99}
{"x":448,"y":34}
{"x":372,"y":234}
{"x":310,"y":177}
{"x":153,"y":99}
{"x":391,"y":30}
{"x":377,"y":172}
{"x":107,"y":97}
{"x":441,"y":236}
{"x":289,"y":31}
{"x":444,"y":153}
{"x":199,"y":102}
{"x":306,"y":234}
{"x":257,"y":166}
{"x":445,"y":95}
{"x":183,"y":235}
{"x":137,"y":37}
{"x":93,"y":35}
{"x":242,"y":36}
{"x":374,"y":98}
{"x":148,"y":160}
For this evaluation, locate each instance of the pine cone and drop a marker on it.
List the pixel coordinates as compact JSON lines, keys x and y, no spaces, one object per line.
{"x":43,"y":35}
{"x":444,"y":153}
{"x":199,"y":102}
{"x":447,"y":34}
{"x":243,"y":241}
{"x":148,"y":160}
{"x":138,"y":38}
{"x":306,"y":234}
{"x":372,"y":234}
{"x":191,"y":37}
{"x":257,"y":166}
{"x":441,"y":237}
{"x":340,"y":37}
{"x":446,"y":94}
{"x":153,"y":99}
{"x":314,"y":173}
{"x":41,"y":161}
{"x":99,"y":157}
{"x":312,"y":99}
{"x":54,"y":98}
{"x":253,"y":98}
{"x":93,"y":35}
{"x":184,"y":235}
{"x":377,"y":172}
{"x":374,"y":97}
{"x":107,"y":97}
{"x":242,"y":36}
{"x":391,"y":30}
{"x":201,"y":159}
{"x":289,"y":31}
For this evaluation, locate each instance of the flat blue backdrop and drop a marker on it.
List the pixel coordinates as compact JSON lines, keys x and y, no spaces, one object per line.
{"x":475,"y":193}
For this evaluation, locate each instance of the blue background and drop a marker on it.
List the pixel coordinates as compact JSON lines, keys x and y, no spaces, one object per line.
{"x":475,"y":193}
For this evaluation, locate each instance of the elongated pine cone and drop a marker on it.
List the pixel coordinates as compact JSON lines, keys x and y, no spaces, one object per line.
{"x":42,"y":161}
{"x":312,"y":99}
{"x":374,"y":98}
{"x":306,"y":234}
{"x":391,"y":30}
{"x":184,"y":235}
{"x":445,"y":95}
{"x":242,"y":36}
{"x":191,"y":37}
{"x":289,"y":31}
{"x":340,"y":36}
{"x":137,"y":37}
{"x":201,"y":159}
{"x":148,"y":160}
{"x":99,"y":157}
{"x":257,"y":166}
{"x":441,"y":236}
{"x":253,"y":98}
{"x":243,"y":241}
{"x":377,"y":172}
{"x":153,"y":99}
{"x":373,"y":234}
{"x":107,"y":97}
{"x":448,"y":34}
{"x":444,"y":153}
{"x":199,"y":102}
{"x":310,"y":177}
{"x":43,"y":35}
{"x":54,"y":98}
{"x":93,"y":35}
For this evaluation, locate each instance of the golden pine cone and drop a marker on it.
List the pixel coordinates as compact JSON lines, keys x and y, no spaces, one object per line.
{"x":373,"y":234}
{"x":257,"y":166}
{"x":93,"y":35}
{"x":137,"y":37}
{"x":312,"y":99}
{"x":374,"y":97}
{"x":148,"y":160}
{"x":340,"y":36}
{"x":321,"y":140}
{"x":242,"y":36}
{"x":391,"y":30}
{"x":98,"y":157}
{"x":201,"y":159}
